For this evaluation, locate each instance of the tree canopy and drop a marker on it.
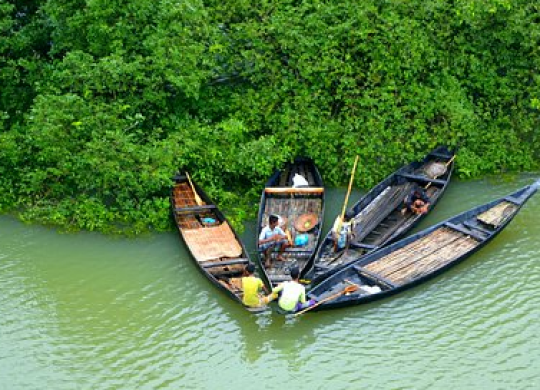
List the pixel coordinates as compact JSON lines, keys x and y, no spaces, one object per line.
{"x":101,"y":102}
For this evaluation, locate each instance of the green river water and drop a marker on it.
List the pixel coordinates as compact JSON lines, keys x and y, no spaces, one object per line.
{"x":87,"y":311}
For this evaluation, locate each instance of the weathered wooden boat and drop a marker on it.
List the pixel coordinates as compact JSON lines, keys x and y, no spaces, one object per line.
{"x":300,"y":209}
{"x":415,"y":259}
{"x":213,"y":244}
{"x":378,"y":217}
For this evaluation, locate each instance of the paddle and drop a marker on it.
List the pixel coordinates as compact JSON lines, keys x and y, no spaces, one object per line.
{"x":346,"y":290}
{"x":338,"y":223}
{"x":197,"y":197}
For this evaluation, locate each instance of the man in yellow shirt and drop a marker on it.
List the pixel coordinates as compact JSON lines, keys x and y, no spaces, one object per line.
{"x":252,"y":287}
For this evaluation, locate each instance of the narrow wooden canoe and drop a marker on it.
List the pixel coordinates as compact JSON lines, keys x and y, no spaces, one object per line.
{"x":421,"y":256}
{"x":213,"y":244}
{"x":378,"y":216}
{"x":301,"y":209}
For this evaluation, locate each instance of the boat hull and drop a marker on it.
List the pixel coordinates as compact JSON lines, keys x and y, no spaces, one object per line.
{"x":378,"y":214}
{"x":301,"y":211}
{"x":415,"y":259}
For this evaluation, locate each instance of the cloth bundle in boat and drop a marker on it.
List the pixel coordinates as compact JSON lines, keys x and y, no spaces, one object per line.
{"x":299,"y":181}
{"x":213,"y":242}
{"x":435,"y":170}
{"x":306,"y":222}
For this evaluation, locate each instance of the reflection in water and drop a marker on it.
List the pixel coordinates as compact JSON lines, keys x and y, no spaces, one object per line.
{"x":92,"y":312}
{"x":269,"y":331}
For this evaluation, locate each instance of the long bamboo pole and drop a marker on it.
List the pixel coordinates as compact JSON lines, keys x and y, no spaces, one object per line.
{"x":342,"y":215}
{"x":350,"y":188}
{"x":197,"y":197}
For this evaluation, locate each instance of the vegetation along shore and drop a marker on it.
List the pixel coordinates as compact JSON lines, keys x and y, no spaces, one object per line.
{"x":102,"y":102}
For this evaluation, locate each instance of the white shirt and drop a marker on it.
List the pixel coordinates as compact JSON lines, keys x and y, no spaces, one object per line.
{"x":266,"y":232}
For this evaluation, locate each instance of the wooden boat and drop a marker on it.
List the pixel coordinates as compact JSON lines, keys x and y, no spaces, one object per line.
{"x":213,"y":244}
{"x":378,"y":215}
{"x":300,"y":209}
{"x":417,"y":258}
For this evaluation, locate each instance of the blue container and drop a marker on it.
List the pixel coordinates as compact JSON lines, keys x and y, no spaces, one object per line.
{"x":301,"y":240}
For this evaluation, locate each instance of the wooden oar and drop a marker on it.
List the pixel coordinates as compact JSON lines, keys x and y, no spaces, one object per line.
{"x":197,"y":197}
{"x":351,"y":283}
{"x":342,"y":215}
{"x":346,"y":290}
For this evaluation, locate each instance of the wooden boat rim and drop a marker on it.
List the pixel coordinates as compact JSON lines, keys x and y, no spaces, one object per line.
{"x":292,"y":190}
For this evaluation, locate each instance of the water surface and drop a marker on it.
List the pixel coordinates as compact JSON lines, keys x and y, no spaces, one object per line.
{"x":87,"y":311}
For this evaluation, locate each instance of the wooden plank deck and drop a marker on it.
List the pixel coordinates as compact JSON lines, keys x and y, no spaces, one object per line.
{"x":423,"y":256}
{"x":497,"y":215}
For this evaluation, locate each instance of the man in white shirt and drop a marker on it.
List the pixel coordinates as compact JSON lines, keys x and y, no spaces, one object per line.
{"x":272,"y":236}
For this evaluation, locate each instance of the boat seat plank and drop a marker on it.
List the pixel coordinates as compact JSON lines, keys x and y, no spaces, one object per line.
{"x":513,"y":200}
{"x":464,"y":230}
{"x":440,"y":155}
{"x":291,"y":190}
{"x":195,"y":209}
{"x":423,"y":179}
{"x":473,"y":226}
{"x":362,"y":245}
{"x":322,"y":267}
{"x":279,"y":279}
{"x":374,"y":277}
{"x":210,"y":264}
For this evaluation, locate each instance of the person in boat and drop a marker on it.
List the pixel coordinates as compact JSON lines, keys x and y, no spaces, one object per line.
{"x":272,"y":237}
{"x":292,"y":294}
{"x":252,"y":287}
{"x":342,"y":232}
{"x":417,"y":202}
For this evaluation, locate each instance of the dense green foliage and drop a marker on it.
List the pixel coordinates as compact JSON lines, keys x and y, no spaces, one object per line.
{"x":101,"y":101}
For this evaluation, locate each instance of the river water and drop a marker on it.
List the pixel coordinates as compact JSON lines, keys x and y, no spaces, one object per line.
{"x":87,"y":311}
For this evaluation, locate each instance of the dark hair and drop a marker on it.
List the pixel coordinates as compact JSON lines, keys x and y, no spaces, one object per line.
{"x":295,"y":272}
{"x":250,"y":268}
{"x":273,"y":218}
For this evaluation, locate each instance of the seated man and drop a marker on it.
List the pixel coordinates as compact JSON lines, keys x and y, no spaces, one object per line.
{"x":416,"y":202}
{"x":272,"y":236}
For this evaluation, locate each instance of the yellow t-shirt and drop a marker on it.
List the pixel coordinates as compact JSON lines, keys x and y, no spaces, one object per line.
{"x":251,"y":286}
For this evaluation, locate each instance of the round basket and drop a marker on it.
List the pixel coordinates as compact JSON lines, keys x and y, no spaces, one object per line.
{"x":306,"y":222}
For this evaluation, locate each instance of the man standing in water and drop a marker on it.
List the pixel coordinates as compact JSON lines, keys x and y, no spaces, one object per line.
{"x":252,"y":286}
{"x":292,"y":295}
